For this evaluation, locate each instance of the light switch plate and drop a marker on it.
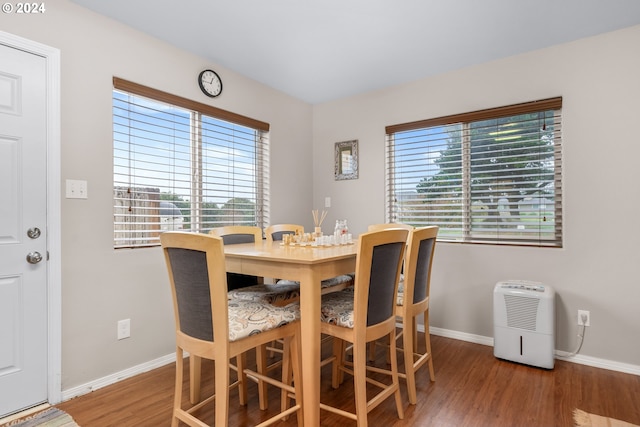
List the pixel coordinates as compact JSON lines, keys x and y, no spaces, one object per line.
{"x":76,"y":189}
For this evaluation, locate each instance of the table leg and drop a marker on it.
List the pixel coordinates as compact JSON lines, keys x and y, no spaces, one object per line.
{"x":310,"y":326}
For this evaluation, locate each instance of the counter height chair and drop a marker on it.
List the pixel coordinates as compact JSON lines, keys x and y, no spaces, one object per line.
{"x":250,"y":288}
{"x":387,"y":225}
{"x":275,"y":232}
{"x":412,"y":301}
{"x":364,"y":313}
{"x":210,"y":326}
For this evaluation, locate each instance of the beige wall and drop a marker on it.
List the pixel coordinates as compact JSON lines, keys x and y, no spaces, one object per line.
{"x":100,"y":285}
{"x":599,"y":267}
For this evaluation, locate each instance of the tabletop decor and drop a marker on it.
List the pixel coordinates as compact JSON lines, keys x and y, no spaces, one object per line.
{"x":317,"y":222}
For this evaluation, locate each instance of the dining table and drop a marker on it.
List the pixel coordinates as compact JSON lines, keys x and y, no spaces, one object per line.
{"x":308,"y":265}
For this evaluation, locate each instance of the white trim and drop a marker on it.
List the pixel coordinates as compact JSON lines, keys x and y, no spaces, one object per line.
{"x":54,"y":270}
{"x":118,"y":376}
{"x":559,"y":354}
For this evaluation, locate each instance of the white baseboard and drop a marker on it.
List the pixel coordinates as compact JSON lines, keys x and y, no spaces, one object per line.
{"x":462,"y":336}
{"x":118,"y":376}
{"x":559,"y":354}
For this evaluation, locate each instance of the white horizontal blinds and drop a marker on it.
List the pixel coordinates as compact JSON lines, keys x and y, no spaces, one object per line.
{"x":231,"y":156}
{"x":426,"y":178}
{"x":489,"y":176}
{"x":176,"y":168}
{"x":151,"y":149}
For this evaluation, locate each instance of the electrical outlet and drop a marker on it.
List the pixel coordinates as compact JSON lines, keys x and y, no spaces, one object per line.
{"x":124,"y":329}
{"x":584,"y":318}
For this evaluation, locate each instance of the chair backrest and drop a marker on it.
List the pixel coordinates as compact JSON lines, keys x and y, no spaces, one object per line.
{"x":378,"y":264}
{"x":195,"y":263}
{"x":386,"y":226}
{"x":421,"y":247}
{"x":234,"y":234}
{"x":274,"y":232}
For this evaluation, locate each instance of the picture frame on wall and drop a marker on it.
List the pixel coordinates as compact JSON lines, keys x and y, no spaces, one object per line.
{"x":346,"y":160}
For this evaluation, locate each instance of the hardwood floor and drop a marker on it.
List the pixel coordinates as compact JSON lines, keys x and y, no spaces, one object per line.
{"x":472,"y":388}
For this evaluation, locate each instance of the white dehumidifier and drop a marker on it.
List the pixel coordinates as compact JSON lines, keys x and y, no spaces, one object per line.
{"x":524,"y":322}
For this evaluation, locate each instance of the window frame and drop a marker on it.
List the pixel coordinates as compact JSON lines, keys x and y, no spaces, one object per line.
{"x":197,"y":111}
{"x":464,"y":119}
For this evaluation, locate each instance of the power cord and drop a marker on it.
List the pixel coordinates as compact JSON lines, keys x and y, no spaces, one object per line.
{"x":580,"y":337}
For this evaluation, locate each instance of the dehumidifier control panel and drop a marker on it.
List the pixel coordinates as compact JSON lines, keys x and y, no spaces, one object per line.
{"x":523,"y":286}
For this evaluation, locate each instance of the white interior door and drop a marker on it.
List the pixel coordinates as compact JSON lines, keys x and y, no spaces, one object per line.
{"x":23,"y":230}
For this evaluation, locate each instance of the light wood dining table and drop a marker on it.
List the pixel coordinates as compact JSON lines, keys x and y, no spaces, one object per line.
{"x":309,"y":265}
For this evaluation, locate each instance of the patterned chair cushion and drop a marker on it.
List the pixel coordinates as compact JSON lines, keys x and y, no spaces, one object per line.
{"x":342,"y":280}
{"x":266,"y":293}
{"x":400,"y":296}
{"x":248,"y":318}
{"x":337,"y":308}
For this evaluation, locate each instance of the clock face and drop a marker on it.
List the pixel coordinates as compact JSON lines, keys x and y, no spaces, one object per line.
{"x":210,"y":83}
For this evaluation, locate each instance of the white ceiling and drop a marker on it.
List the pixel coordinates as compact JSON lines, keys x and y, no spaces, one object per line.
{"x":321,"y":50}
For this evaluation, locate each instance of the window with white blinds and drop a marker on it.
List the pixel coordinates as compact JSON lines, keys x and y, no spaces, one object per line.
{"x":182,"y":165}
{"x":491,"y":176}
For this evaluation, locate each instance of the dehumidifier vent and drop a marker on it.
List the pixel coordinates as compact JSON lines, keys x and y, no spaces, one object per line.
{"x":521,"y":311}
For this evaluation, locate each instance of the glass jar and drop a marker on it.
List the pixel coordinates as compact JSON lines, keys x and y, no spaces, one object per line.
{"x":341,"y":228}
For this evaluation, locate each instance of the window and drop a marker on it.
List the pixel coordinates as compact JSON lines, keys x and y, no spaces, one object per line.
{"x":182,"y":165}
{"x":490,"y":176}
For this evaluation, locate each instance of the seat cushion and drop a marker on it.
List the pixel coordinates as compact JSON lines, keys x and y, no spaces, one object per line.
{"x":400,"y":296}
{"x":268,"y":294}
{"x":337,"y":308}
{"x":342,"y":280}
{"x":248,"y":318}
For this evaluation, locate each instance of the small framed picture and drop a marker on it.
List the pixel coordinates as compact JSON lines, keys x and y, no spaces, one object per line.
{"x":346,"y":160}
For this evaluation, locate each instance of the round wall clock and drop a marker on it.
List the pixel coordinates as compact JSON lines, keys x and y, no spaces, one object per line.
{"x":210,"y":83}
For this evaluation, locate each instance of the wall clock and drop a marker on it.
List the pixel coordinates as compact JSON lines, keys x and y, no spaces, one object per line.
{"x":210,"y":83}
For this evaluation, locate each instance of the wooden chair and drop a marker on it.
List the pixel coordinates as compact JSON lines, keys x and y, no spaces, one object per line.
{"x":364,"y":313}
{"x":247,"y":288}
{"x":210,"y":326}
{"x":275,"y":232}
{"x":412,"y":301}
{"x":234,"y":234}
{"x":385,"y":226}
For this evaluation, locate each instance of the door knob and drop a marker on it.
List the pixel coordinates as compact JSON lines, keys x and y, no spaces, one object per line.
{"x":33,"y":233}
{"x":34,"y":257}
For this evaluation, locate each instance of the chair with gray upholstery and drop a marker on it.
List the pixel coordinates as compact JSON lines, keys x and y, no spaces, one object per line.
{"x":210,"y":326}
{"x":412,"y":301}
{"x":363,"y":313}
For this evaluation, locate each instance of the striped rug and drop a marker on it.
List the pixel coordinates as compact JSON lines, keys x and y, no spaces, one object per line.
{"x":50,"y":417}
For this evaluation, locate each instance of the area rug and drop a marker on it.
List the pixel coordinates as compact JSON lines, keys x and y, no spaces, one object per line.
{"x":585,"y":419}
{"x":51,"y":417}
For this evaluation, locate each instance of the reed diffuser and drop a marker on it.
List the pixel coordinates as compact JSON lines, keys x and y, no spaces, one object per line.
{"x":317,"y":221}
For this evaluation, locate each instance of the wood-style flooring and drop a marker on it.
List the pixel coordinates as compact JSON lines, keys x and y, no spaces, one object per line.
{"x":472,"y":388}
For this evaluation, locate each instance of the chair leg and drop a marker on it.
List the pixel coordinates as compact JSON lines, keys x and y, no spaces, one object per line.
{"x":360,"y":383}
{"x":287,"y":372}
{"x":427,"y":339}
{"x":261,"y":362}
{"x":408,"y":345}
{"x":372,"y":351}
{"x":177,"y":395}
{"x":222,"y":393}
{"x":296,"y":373}
{"x":241,"y":363}
{"x":394,"y":376}
{"x":338,"y":362}
{"x":195,"y":371}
